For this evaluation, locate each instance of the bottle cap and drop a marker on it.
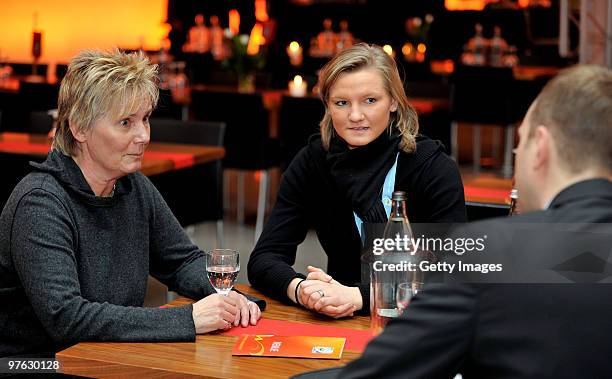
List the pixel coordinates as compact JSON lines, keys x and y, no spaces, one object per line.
{"x":398,"y":195}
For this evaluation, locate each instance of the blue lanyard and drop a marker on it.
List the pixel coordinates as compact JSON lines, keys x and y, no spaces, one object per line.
{"x":387,"y":192}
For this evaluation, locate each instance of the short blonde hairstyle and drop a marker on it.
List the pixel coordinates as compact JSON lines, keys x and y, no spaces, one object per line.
{"x":363,"y":56}
{"x":100,"y":84}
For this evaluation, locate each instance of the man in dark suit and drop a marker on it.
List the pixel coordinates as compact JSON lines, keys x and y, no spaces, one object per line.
{"x":524,"y":330}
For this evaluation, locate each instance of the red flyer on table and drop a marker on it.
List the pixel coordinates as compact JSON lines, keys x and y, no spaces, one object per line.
{"x":267,"y":345}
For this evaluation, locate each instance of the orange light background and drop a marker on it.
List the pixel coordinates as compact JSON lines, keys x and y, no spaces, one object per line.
{"x":456,"y":5}
{"x":474,"y":5}
{"x":69,"y":26}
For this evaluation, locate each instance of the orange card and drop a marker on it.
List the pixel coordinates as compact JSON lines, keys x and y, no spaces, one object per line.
{"x":267,"y":345}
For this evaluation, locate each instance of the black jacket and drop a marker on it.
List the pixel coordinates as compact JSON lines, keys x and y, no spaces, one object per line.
{"x":502,"y":330}
{"x":308,"y":198}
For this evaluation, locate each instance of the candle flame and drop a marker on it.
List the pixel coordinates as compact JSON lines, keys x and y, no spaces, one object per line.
{"x":407,"y":48}
{"x":297,"y":80}
{"x":388,"y":49}
{"x":294,"y":46}
{"x":421,"y":47}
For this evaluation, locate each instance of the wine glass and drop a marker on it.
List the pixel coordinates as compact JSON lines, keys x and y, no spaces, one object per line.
{"x":405,"y":293}
{"x":222,"y":268}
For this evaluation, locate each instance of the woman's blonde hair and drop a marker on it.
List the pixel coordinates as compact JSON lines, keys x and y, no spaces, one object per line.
{"x":363,"y":56}
{"x":99,"y":84}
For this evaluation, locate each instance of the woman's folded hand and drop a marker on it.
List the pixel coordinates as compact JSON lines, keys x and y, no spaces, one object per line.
{"x":321,"y":293}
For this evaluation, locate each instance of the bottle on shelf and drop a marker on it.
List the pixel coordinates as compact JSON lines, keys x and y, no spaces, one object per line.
{"x":498,"y":48}
{"x":478,"y":44}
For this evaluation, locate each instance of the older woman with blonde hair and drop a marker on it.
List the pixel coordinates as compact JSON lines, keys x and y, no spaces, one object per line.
{"x":81,"y":233}
{"x":369,"y":146}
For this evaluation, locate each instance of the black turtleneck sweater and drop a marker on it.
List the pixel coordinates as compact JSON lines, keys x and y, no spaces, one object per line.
{"x":74,"y":267}
{"x":309,"y":197}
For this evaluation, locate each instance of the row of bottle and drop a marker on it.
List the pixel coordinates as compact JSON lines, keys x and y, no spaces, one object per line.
{"x":480,"y":51}
{"x":204,"y":39}
{"x":327,"y":43}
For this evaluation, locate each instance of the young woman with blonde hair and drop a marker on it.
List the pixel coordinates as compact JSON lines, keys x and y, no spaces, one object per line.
{"x":369,"y":146}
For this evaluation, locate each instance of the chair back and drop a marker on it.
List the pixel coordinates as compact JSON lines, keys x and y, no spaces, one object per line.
{"x":40,"y":123}
{"x":14,"y":117}
{"x":482,"y":95}
{"x":208,"y":133}
{"x":204,"y":182}
{"x":434,"y":124}
{"x":25,"y":69}
{"x":299,"y":119}
{"x":60,"y":71}
{"x":39,"y":96}
{"x":166,"y":108}
{"x":247,"y":142}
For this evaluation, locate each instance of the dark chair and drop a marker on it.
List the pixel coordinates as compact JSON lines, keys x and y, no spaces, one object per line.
{"x":39,"y":96}
{"x":25,"y":69}
{"x":197,"y":182}
{"x":416,"y":72}
{"x":166,"y":108}
{"x":248,"y":146}
{"x":483,"y":95}
{"x":434,"y":124}
{"x":40,"y":123}
{"x":60,"y":71}
{"x":299,"y":119}
{"x":199,"y":67}
{"x":14,"y":116}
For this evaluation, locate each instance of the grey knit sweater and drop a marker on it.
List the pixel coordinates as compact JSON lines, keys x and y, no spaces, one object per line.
{"x":74,"y":267}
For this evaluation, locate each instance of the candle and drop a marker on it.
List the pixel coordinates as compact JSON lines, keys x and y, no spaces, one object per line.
{"x":389,"y":50}
{"x":408,"y":51}
{"x":421,"y":49}
{"x":294,"y":50}
{"x":297,"y":87}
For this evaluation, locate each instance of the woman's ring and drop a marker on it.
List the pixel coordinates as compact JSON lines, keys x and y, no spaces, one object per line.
{"x":320,"y":292}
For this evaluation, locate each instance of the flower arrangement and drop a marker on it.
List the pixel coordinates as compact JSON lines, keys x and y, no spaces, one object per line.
{"x":418,"y":33}
{"x":240,"y":61}
{"x":418,"y":30}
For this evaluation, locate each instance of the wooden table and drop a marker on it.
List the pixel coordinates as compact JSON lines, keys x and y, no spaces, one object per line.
{"x":209,"y":357}
{"x":159,"y":157}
